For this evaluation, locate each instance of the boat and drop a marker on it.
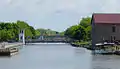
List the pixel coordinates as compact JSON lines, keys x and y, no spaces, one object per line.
{"x":103,"y":48}
{"x":104,"y":52}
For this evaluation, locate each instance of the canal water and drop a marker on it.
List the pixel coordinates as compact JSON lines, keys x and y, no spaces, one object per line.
{"x":58,"y":56}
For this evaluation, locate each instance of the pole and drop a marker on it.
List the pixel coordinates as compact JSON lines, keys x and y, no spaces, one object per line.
{"x":23,"y":36}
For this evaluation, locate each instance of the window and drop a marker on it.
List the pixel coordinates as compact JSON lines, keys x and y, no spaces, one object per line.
{"x":113,"y":28}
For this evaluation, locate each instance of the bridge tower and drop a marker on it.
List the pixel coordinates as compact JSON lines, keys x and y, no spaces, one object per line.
{"x":22,"y":36}
{"x":41,"y":37}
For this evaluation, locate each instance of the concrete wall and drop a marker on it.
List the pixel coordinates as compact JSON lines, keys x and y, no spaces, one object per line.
{"x":104,"y":31}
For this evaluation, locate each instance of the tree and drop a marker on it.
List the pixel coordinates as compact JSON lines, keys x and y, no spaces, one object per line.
{"x":4,"y":35}
{"x":70,"y":31}
{"x":15,"y":29}
{"x":62,"y":33}
{"x":88,"y":31}
{"x":7,"y":31}
{"x":29,"y":30}
{"x":85,"y":22}
{"x":10,"y":30}
{"x":32,"y":30}
{"x":47,"y":32}
{"x":76,"y":32}
{"x":81,"y":31}
{"x":37,"y":33}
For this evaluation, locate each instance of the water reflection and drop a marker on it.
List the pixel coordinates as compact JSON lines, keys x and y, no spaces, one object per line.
{"x":106,"y":62}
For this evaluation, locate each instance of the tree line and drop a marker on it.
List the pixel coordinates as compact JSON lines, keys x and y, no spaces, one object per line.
{"x":81,"y":31}
{"x":10,"y":30}
{"x":47,"y":32}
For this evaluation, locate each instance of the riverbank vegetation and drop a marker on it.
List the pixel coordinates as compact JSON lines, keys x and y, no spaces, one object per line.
{"x":10,"y":31}
{"x":47,"y":32}
{"x":80,"y":33}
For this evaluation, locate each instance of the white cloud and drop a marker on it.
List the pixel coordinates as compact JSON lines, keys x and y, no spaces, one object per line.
{"x":39,"y":11}
{"x":111,"y":6}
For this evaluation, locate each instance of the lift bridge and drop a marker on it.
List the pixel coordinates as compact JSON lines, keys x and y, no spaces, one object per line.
{"x":44,"y":38}
{"x":50,"y":39}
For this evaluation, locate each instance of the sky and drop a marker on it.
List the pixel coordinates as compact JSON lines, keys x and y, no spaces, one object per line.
{"x":54,"y":14}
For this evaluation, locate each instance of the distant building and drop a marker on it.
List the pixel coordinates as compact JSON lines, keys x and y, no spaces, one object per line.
{"x":105,"y":27}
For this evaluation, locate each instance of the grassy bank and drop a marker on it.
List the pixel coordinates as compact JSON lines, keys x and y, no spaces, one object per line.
{"x":85,"y":44}
{"x":82,"y":43}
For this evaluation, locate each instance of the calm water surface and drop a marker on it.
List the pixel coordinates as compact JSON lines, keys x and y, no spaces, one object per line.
{"x":58,"y":56}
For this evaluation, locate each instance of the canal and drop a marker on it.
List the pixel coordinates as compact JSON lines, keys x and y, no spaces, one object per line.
{"x":58,"y":56}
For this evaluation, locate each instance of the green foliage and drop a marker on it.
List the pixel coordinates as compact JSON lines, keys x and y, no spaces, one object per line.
{"x":3,"y":35}
{"x":62,"y":33}
{"x":82,"y":31}
{"x":76,"y":32}
{"x":29,"y":30}
{"x":37,"y":32}
{"x":88,"y":31}
{"x":10,"y":31}
{"x":32,"y":30}
{"x":47,"y":32}
{"x":85,"y":22}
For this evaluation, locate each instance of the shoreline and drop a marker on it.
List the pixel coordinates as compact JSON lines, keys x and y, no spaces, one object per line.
{"x":95,"y":51}
{"x":87,"y":46}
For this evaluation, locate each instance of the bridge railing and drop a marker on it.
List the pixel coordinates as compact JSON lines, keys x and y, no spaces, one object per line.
{"x":50,"y":39}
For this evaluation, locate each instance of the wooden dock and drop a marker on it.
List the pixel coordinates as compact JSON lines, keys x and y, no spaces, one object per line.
{"x":107,"y":48}
{"x":9,"y":49}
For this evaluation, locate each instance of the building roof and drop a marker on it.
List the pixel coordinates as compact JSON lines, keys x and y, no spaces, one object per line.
{"x":106,"y":18}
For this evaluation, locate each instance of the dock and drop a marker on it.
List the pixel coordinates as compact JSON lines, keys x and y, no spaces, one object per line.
{"x":9,"y":49}
{"x":107,"y":48}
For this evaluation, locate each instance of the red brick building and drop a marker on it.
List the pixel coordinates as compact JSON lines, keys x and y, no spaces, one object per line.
{"x":105,"y":27}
